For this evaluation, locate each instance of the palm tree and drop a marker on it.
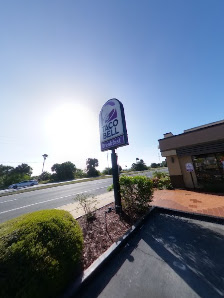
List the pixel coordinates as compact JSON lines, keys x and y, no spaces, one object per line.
{"x":44,"y":156}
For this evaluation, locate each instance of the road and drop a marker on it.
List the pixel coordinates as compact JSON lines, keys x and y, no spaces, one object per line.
{"x":49,"y":198}
{"x":18,"y":204}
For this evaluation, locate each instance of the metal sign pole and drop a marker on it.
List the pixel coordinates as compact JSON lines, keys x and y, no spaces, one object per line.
{"x":117,"y":194}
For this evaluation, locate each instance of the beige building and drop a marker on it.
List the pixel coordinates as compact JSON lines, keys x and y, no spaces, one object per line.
{"x":200,"y":149}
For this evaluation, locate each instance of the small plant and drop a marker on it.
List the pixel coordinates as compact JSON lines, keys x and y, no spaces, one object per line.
{"x":88,"y":204}
{"x":110,"y":187}
{"x":136,"y":193}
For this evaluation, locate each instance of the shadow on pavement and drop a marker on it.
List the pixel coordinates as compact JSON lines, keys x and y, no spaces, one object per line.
{"x":170,"y":256}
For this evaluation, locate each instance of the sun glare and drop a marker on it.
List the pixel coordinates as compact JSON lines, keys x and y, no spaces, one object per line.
{"x":71,"y":125}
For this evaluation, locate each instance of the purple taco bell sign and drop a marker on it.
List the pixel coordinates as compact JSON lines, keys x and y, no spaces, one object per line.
{"x":113,"y":132}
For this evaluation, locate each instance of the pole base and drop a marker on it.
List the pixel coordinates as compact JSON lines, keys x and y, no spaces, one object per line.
{"x":118,"y":209}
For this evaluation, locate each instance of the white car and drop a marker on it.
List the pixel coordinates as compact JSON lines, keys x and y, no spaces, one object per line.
{"x":24,"y":184}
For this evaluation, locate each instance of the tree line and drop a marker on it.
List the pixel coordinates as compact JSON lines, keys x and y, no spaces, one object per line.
{"x":63,"y":172}
{"x":60,"y":172}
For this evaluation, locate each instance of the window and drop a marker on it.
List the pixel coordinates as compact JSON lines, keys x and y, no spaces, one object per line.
{"x":210,"y":167}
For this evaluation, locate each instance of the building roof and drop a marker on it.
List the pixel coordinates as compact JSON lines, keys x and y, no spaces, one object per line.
{"x":212,"y":132}
{"x":204,"y":126}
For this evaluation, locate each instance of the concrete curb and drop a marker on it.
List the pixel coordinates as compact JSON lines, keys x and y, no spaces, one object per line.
{"x":192,"y":215}
{"x":96,"y":266}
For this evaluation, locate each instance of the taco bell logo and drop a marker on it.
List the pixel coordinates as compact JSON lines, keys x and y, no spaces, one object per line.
{"x":110,"y":113}
{"x":109,"y":120}
{"x":112,"y":124}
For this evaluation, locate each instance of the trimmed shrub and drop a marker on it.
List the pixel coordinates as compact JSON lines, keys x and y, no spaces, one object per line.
{"x":161,"y":180}
{"x":136,"y":193}
{"x":39,"y":253}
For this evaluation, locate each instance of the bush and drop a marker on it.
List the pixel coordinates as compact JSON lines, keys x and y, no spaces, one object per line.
{"x":92,"y":172}
{"x":161,"y":180}
{"x":136,"y":193}
{"x":165,"y":183}
{"x":15,"y":178}
{"x":80,"y":174}
{"x":45,"y":176}
{"x":110,"y":187}
{"x":39,"y":253}
{"x":159,"y":174}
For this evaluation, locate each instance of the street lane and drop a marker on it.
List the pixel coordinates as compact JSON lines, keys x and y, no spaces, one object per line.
{"x":17,"y":204}
{"x":49,"y":198}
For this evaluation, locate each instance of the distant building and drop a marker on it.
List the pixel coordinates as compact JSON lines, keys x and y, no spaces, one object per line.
{"x":203,"y":148}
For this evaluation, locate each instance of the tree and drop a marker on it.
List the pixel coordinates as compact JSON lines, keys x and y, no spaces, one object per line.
{"x":10,"y":175}
{"x":64,"y":171}
{"x":44,"y":176}
{"x":15,"y":178}
{"x":155,"y":165}
{"x":164,"y":163}
{"x":139,"y":166}
{"x":44,"y":156}
{"x":108,"y":171}
{"x":91,"y":164}
{"x":5,"y":170}
{"x":23,"y":169}
{"x":4,"y":173}
{"x":79,"y":173}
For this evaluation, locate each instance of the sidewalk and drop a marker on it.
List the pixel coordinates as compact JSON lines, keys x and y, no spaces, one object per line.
{"x":190,"y":201}
{"x":76,"y":209}
{"x":177,"y":199}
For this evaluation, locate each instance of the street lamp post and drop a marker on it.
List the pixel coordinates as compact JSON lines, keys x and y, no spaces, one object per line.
{"x":44,"y":156}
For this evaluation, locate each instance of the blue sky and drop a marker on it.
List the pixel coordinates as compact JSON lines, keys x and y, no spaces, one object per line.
{"x":61,"y":61}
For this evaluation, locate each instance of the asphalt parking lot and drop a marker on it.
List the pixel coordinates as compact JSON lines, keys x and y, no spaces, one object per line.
{"x":170,"y":256}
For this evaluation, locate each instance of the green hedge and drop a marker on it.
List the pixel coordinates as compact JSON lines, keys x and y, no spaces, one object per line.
{"x":39,"y":253}
{"x":136,"y":193}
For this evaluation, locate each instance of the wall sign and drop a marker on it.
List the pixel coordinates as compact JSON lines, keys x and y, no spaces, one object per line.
{"x":113,"y":132}
{"x":189,"y":167}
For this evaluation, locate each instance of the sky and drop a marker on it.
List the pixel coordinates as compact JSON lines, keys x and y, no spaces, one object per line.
{"x":60,"y":61}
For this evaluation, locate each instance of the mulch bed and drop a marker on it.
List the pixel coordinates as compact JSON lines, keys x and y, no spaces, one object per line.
{"x":100,"y":233}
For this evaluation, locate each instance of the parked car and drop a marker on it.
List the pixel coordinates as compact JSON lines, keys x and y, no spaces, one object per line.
{"x":24,"y":184}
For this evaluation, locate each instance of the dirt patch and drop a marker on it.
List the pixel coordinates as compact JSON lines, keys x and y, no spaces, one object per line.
{"x":100,"y":233}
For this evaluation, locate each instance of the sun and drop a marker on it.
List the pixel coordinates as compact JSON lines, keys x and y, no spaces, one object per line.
{"x":71,"y":125}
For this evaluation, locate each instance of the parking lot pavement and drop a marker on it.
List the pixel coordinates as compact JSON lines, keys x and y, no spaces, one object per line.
{"x":190,"y":201}
{"x":170,"y":256}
